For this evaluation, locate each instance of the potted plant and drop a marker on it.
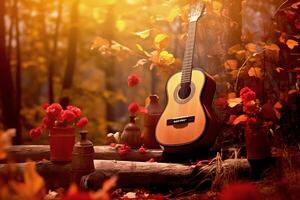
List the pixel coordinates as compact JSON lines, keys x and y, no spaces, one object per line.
{"x":256,"y":123}
{"x":61,"y":124}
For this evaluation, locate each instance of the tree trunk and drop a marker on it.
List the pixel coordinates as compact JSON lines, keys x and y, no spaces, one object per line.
{"x":72,"y":54}
{"x":6,"y":81}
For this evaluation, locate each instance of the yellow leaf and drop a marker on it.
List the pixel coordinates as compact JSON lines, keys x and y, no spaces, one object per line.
{"x":140,"y":48}
{"x":251,"y":47}
{"x":255,"y":71}
{"x":291,"y":43}
{"x":120,"y":25}
{"x":166,"y":58}
{"x":161,"y":41}
{"x":231,"y":64}
{"x":173,"y":14}
{"x":240,"y":119}
{"x":143,"y":34}
{"x":234,"y":102}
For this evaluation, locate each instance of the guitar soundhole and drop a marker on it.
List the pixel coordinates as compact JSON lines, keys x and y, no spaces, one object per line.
{"x":184,"y":91}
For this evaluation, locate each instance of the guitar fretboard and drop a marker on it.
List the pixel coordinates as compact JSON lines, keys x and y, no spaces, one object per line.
{"x":187,"y":64}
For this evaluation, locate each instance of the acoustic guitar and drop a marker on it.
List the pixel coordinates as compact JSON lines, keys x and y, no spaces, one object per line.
{"x":188,"y":122}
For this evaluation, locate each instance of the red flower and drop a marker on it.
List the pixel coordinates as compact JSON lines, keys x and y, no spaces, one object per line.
{"x":47,"y":122}
{"x":75,"y":110}
{"x":54,"y":110}
{"x":36,"y":132}
{"x":133,"y":80}
{"x":135,"y":108}
{"x":82,"y":122}
{"x":298,"y":76}
{"x":240,"y":191}
{"x":142,"y":150}
{"x":247,"y":94}
{"x":46,"y":105}
{"x":67,"y":115}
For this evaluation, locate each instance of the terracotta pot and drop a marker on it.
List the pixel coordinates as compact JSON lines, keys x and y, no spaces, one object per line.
{"x":62,"y":140}
{"x":131,"y":134}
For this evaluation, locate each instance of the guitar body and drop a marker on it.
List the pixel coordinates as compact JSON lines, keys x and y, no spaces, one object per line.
{"x":188,"y":124}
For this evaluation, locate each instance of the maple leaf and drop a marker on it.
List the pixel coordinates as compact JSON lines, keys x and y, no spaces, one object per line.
{"x":231,"y":64}
{"x":255,"y":71}
{"x":161,"y":41}
{"x":33,"y":185}
{"x":143,"y":34}
{"x":291,"y":43}
{"x":240,"y":119}
{"x":232,"y":100}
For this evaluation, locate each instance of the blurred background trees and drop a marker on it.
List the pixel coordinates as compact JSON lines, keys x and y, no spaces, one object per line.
{"x":81,"y":52}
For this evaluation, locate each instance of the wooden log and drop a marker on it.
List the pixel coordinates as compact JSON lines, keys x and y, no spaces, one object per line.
{"x":140,"y":174}
{"x":20,"y":153}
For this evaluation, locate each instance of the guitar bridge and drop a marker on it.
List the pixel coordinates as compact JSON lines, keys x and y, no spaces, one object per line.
{"x":181,"y":120}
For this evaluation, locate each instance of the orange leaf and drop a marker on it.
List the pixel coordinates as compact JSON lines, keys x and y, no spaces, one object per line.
{"x":240,"y":119}
{"x":291,"y":43}
{"x":161,"y":41}
{"x":255,"y":71}
{"x":251,"y":47}
{"x":231,"y":64}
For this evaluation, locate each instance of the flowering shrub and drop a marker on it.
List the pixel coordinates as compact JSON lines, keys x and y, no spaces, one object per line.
{"x":56,"y":116}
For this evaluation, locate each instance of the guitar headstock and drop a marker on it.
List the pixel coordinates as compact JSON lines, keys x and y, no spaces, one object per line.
{"x":197,"y":10}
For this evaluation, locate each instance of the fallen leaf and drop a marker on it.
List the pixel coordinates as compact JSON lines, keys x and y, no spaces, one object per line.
{"x":161,"y":41}
{"x":256,"y":72}
{"x":240,"y":119}
{"x":143,"y":34}
{"x":291,"y":43}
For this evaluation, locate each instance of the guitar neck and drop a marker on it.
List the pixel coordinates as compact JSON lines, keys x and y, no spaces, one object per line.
{"x":187,"y":64}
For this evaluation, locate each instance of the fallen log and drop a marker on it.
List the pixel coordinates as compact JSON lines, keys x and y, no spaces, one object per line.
{"x":142,"y":174}
{"x":20,"y":153}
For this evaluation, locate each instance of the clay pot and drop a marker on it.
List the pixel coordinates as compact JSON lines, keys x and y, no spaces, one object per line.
{"x":151,"y":118}
{"x":62,"y":140}
{"x":131,"y":134}
{"x":83,"y":158}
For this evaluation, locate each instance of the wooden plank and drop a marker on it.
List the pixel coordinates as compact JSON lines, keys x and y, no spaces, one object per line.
{"x":20,"y":153}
